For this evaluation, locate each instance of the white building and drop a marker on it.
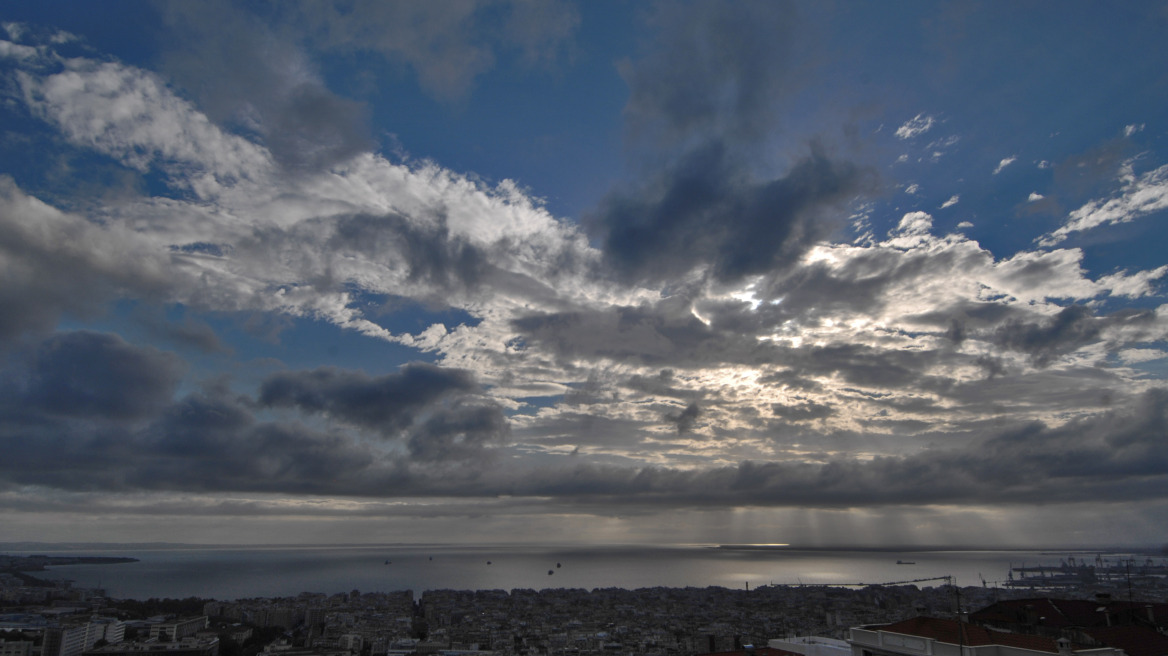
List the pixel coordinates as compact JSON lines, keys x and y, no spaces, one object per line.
{"x":110,"y":629}
{"x":178,"y":629}
{"x":812,"y":646}
{"x":68,"y":640}
{"x":928,"y":636}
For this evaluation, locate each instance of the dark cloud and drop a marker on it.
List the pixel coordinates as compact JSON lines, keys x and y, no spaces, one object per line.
{"x":458,"y":433}
{"x":436,"y":264}
{"x":388,"y":404}
{"x":1072,"y":328}
{"x":664,"y":334}
{"x":97,"y":375}
{"x":705,"y":210}
{"x":432,"y":254}
{"x":663,"y":384}
{"x":685,"y":420}
{"x":58,"y":264}
{"x":90,"y":412}
{"x":187,"y":331}
{"x":212,"y":443}
{"x":805,"y":411}
{"x":244,"y":74}
{"x":702,"y":102}
{"x":447,"y":45}
{"x":718,"y":70}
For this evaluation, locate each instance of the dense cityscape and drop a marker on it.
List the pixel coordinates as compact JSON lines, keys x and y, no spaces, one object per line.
{"x":41,"y":617}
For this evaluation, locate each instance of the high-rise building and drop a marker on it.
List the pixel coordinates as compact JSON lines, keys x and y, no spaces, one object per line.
{"x":110,"y":629}
{"x":64,"y":640}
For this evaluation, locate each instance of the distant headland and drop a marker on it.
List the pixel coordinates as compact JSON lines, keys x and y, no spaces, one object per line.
{"x":19,"y":566}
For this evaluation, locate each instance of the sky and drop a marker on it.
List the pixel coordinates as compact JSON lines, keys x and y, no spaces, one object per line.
{"x":489,"y":271}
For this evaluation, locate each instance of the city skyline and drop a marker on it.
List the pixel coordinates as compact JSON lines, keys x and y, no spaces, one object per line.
{"x":495,"y":271}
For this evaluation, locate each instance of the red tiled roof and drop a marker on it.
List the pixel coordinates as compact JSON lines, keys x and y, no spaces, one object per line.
{"x":971,"y":635}
{"x":1133,"y":640}
{"x":1064,"y":613}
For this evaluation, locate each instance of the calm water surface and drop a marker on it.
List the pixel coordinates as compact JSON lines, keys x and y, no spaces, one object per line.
{"x":233,"y":573}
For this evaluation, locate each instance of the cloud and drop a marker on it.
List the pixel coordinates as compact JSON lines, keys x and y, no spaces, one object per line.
{"x":1129,"y":130}
{"x":1004,"y":163}
{"x":98,"y":376}
{"x":187,"y":331}
{"x":915,"y":126}
{"x":53,"y":263}
{"x":715,"y":346}
{"x":702,"y":100}
{"x":1140,"y":195}
{"x":951,"y":202}
{"x":243,"y":73}
{"x":718,"y":71}
{"x":131,"y":115}
{"x":90,"y":411}
{"x":459,"y":433}
{"x":213,"y":441}
{"x":446,"y":46}
{"x":242,"y":234}
{"x":1070,"y":329}
{"x":1136,"y":356}
{"x":256,"y":75}
{"x":802,"y":411}
{"x":704,"y":212}
{"x":685,"y":420}
{"x":1115,"y":456}
{"x":388,"y":404}
{"x":1035,"y":197}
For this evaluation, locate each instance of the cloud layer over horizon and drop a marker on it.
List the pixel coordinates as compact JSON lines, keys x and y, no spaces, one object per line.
{"x":226,"y":282}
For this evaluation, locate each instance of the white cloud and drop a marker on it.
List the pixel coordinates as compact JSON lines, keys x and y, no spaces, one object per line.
{"x":1140,"y":196}
{"x":14,"y":30}
{"x":953,"y":200}
{"x":915,"y":223}
{"x":915,"y":126}
{"x":964,"y":224}
{"x":272,"y":232}
{"x":1132,"y":129}
{"x":131,"y":115}
{"x":1004,"y":163}
{"x":1035,"y":196}
{"x":1138,"y":355}
{"x":912,"y":188}
{"x":16,"y":51}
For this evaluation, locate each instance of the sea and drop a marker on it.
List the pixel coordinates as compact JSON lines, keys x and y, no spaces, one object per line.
{"x":234,"y":572}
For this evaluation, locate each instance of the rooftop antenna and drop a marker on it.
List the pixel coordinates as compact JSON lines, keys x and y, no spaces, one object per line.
{"x":1130,"y":603}
{"x":960,"y":623}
